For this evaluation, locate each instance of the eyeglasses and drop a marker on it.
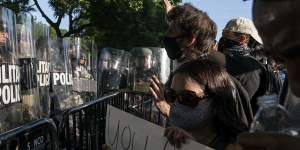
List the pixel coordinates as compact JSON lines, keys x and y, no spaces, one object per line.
{"x":187,"y":98}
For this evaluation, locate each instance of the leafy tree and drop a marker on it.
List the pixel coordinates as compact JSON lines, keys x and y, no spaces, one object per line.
{"x":126,"y":24}
{"x":77,"y":12}
{"x":18,"y":6}
{"x":113,"y":23}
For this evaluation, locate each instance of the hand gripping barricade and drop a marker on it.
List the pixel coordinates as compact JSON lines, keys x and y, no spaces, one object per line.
{"x":84,"y":87}
{"x":111,"y":70}
{"x":42,"y":44}
{"x":83,"y":127}
{"x":10,"y":103}
{"x":40,"y":134}
{"x":27,"y":59}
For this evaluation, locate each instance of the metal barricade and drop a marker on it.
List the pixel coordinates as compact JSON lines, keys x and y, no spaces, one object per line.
{"x":40,"y":134}
{"x":83,"y":127}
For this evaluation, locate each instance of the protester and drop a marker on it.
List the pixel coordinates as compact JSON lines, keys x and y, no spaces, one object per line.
{"x":204,"y":104}
{"x":275,"y":21}
{"x":239,"y":37}
{"x":191,"y":34}
{"x":273,"y":69}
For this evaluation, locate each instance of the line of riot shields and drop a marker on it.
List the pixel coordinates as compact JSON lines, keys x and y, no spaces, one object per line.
{"x":43,"y":77}
{"x":119,"y":69}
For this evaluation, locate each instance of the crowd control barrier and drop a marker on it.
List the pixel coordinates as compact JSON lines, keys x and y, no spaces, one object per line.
{"x":40,"y":134}
{"x":83,"y":127}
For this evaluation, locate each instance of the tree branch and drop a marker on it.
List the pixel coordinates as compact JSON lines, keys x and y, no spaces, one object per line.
{"x":71,"y":21}
{"x":43,"y":13}
{"x":55,"y":26}
{"x":59,"y":20}
{"x":77,"y":30}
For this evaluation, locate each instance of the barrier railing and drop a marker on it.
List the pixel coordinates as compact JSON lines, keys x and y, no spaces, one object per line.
{"x":40,"y":134}
{"x":83,"y":127}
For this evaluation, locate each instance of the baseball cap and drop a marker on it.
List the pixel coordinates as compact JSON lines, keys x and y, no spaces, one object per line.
{"x":245,"y":26}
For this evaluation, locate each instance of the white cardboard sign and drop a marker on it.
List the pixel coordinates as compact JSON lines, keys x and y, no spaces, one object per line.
{"x":128,"y":132}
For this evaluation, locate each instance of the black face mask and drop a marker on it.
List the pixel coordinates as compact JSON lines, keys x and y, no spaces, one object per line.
{"x":226,"y":43}
{"x":173,"y":50}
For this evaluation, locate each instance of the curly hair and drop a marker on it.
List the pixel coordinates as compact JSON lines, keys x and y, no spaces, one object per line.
{"x":196,"y":22}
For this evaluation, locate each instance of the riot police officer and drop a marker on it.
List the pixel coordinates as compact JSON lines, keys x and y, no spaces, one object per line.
{"x":142,"y":60}
{"x":80,"y":70}
{"x":110,"y":71}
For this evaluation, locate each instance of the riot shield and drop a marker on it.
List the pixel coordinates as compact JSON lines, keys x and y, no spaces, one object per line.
{"x":126,"y":69}
{"x":142,"y":62}
{"x":61,"y":78}
{"x":146,"y":62}
{"x":94,"y":52}
{"x":42,"y":45}
{"x":162,"y":63}
{"x":10,"y":102}
{"x":110,"y":73}
{"x":85,"y":87}
{"x":27,"y":60}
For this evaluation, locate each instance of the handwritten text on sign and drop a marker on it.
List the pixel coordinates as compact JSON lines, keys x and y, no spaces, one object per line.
{"x":127,"y":132}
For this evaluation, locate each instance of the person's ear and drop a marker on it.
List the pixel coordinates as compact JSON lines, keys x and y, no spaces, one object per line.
{"x":243,"y":39}
{"x":191,"y":40}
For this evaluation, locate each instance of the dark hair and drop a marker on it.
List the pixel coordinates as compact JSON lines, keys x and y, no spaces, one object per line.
{"x":197,"y":22}
{"x":220,"y":88}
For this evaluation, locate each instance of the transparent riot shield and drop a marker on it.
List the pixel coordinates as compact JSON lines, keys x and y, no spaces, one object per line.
{"x":27,"y":60}
{"x":110,"y":70}
{"x":42,"y":45}
{"x":85,"y":86}
{"x":61,"y":78}
{"x":94,"y":51}
{"x":142,"y":62}
{"x":10,"y":102}
{"x":146,"y":62}
{"x":125,"y":84}
{"x":162,"y":63}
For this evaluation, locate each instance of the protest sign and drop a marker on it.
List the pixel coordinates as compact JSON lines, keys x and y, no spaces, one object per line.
{"x":127,"y":132}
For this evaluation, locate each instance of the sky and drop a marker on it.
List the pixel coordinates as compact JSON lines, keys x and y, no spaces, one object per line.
{"x":44,"y":5}
{"x":221,"y":11}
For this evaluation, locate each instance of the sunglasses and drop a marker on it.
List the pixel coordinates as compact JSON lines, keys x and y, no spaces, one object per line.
{"x":187,"y":98}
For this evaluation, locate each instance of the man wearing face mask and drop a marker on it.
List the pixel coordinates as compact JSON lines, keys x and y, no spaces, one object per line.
{"x":275,"y":21}
{"x":236,"y":43}
{"x":191,"y":34}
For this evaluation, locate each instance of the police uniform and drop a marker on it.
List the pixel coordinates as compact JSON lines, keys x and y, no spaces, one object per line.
{"x":81,"y":72}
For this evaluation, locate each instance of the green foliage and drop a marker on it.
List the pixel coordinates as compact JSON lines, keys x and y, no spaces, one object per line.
{"x":126,"y":24}
{"x":120,"y":24}
{"x":18,"y":6}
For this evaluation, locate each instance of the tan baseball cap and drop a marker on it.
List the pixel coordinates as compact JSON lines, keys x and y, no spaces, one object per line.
{"x":243,"y":25}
